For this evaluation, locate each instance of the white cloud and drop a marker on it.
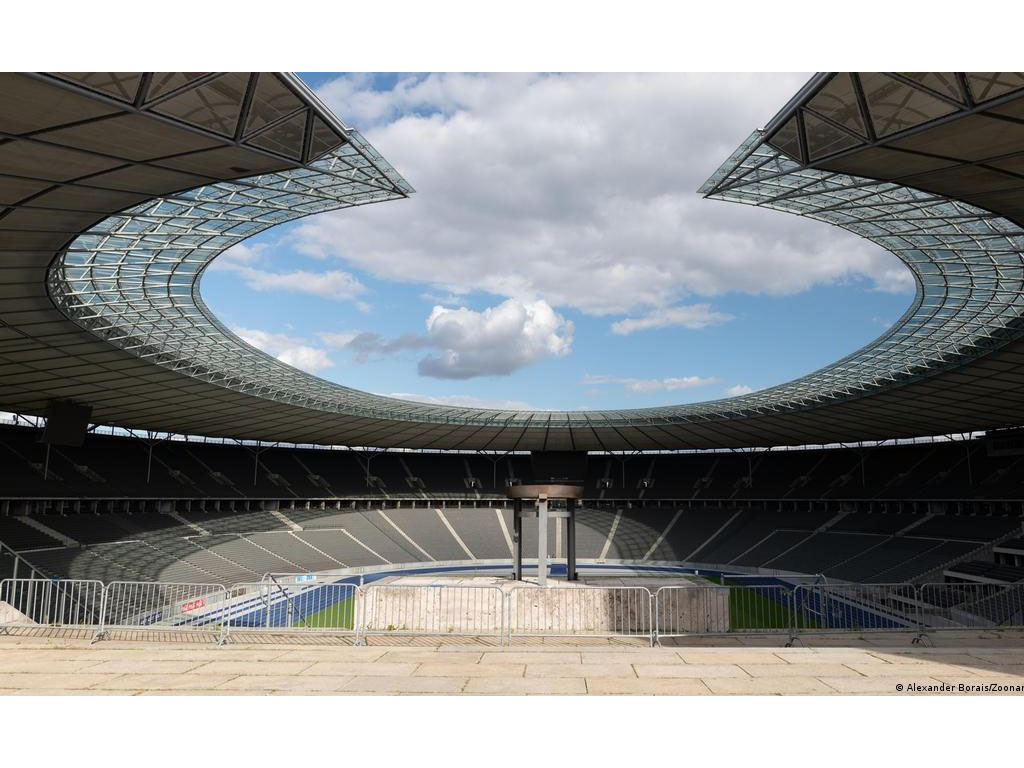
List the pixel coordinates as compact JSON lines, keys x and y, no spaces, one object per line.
{"x":248,"y":262}
{"x":466,"y":401}
{"x":493,"y":342}
{"x":496,"y":341}
{"x":334,"y":284}
{"x":287,"y":349}
{"x":652,"y":385}
{"x":739,"y":389}
{"x":579,"y":190}
{"x":691,"y":316}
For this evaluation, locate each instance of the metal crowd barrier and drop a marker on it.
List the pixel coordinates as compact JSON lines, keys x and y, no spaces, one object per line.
{"x":50,"y":603}
{"x":580,"y":611}
{"x":970,"y":606}
{"x":329,"y":608}
{"x":723,"y":609}
{"x":346,"y":608}
{"x":408,"y":609}
{"x":132,"y":605}
{"x":834,"y":608}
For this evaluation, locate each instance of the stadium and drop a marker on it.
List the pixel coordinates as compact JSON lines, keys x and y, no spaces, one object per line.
{"x":161,"y":477}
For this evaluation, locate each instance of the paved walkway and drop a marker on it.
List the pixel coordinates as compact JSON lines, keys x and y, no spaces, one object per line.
{"x":49,"y":665}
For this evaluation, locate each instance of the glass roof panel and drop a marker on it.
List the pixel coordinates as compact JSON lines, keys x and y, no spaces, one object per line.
{"x":787,"y":138}
{"x":271,"y":101}
{"x":940,"y":82}
{"x":838,"y":102}
{"x":989,"y":85}
{"x":284,"y":138}
{"x":895,"y":106}
{"x":120,"y":85}
{"x":825,"y":139}
{"x":165,"y":82}
{"x":324,"y":139}
{"x":214,"y":105}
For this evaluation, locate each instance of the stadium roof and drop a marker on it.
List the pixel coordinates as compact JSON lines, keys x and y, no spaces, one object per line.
{"x":117,"y":189}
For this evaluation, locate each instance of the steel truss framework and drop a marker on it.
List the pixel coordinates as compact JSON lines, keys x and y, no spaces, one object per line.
{"x":133,"y":278}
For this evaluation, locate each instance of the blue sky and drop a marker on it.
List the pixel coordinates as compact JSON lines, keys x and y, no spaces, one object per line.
{"x":556,"y":254}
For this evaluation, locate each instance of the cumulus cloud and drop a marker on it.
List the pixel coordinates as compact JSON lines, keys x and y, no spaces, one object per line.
{"x":467,"y":343}
{"x":579,"y":190}
{"x":739,"y":389}
{"x":496,"y":341}
{"x":293,"y":351}
{"x":640,"y":386}
{"x":692,"y":316}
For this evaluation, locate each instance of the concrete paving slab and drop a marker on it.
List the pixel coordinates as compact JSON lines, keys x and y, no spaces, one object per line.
{"x":649,"y":686}
{"x":140,"y":666}
{"x":339,"y":653}
{"x":797,"y":669}
{"x":375,"y":668}
{"x":469,"y":670}
{"x":43,"y":665}
{"x":65,"y":692}
{"x":162,"y":682}
{"x":514,"y":686}
{"x":906,"y":670}
{"x":829,"y":655}
{"x":404,"y":684}
{"x":996,"y":656}
{"x":738,"y":656}
{"x":579,"y":670}
{"x":427,"y":656}
{"x":640,"y":656}
{"x":537,"y":656}
{"x":689,"y":670}
{"x":291,"y":683}
{"x":44,"y":680}
{"x":252,"y":668}
{"x":930,"y":656}
{"x":214,"y":692}
{"x":756,"y":686}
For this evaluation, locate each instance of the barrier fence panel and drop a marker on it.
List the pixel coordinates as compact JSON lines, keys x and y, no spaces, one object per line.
{"x":307,"y":607}
{"x":581,"y":611}
{"x":410,"y":609}
{"x":855,"y":608}
{"x":728,"y":609}
{"x":161,"y":606}
{"x":971,"y":606}
{"x":50,"y":603}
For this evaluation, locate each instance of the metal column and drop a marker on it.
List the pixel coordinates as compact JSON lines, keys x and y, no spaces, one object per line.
{"x":517,"y":539}
{"x":570,"y":540}
{"x":542,"y":541}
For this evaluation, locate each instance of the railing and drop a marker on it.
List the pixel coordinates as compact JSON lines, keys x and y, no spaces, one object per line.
{"x":130,"y":605}
{"x":855,"y":607}
{"x":269,"y":606}
{"x":341,"y":607}
{"x":973,"y":606}
{"x":725,"y":609}
{"x":50,"y":603}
